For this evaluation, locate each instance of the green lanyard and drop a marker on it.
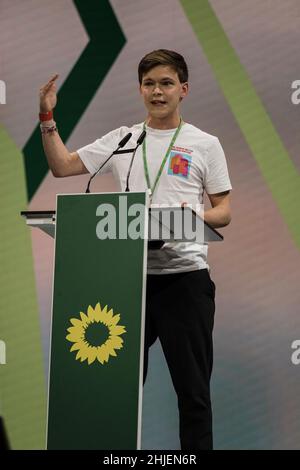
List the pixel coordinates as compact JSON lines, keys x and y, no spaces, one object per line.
{"x":162,"y":163}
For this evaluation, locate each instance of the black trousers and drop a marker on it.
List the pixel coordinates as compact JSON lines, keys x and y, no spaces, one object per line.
{"x":180,"y":312}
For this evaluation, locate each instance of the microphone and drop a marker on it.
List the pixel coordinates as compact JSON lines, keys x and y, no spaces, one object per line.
{"x":141,"y":138}
{"x":138,"y":143}
{"x":124,"y":141}
{"x":120,"y":145}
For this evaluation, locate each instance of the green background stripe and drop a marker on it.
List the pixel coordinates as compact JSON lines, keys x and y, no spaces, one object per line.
{"x":74,"y":96}
{"x":278,"y":171}
{"x":22,"y":379}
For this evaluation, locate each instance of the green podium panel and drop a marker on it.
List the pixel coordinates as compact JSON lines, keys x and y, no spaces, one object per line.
{"x":96,"y":359}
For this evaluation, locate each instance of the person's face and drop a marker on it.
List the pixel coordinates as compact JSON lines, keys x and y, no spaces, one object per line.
{"x":162,"y":91}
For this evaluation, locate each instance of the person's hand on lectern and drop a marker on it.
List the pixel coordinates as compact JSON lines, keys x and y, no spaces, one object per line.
{"x":48,"y":97}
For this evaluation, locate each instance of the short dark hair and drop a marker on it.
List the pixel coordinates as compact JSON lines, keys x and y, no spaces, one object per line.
{"x":164,"y":57}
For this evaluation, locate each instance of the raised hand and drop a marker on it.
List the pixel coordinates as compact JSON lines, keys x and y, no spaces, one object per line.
{"x":48,"y":97}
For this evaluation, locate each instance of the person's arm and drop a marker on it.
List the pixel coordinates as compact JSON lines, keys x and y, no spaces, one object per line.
{"x":220,"y":214}
{"x":61,"y":161}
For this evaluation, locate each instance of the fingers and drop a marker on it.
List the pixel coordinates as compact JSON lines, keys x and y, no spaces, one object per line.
{"x":53,"y":78}
{"x":50,"y":82}
{"x":50,"y":85}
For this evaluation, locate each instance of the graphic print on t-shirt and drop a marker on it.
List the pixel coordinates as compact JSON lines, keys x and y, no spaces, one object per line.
{"x":179,"y":164}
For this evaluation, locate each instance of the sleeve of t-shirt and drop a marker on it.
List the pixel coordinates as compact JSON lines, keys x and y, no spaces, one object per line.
{"x":94,"y":155}
{"x":216,"y":178}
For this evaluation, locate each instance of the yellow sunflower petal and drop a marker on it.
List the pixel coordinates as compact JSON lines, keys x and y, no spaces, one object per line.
{"x":91,"y":313}
{"x":108,"y":313}
{"x":72,"y":329}
{"x":104,"y":310}
{"x":97,"y":312}
{"x":76,"y":321}
{"x":79,"y":354}
{"x":102,"y":315}
{"x":109,"y":316}
{"x":76,"y":329}
{"x":110,"y":348}
{"x":83,"y":351}
{"x":75,"y":346}
{"x":116,"y":341}
{"x":102,"y":354}
{"x":115,"y":319}
{"x":74,"y":337}
{"x":117,"y":330}
{"x":92,"y":355}
{"x":84,"y":318}
{"x":106,"y":354}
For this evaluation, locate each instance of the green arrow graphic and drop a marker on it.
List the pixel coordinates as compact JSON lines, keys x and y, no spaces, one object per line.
{"x":106,"y":42}
{"x":279,"y":172}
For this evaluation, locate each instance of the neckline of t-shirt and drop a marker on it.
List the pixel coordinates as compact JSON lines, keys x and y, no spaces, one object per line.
{"x":151,"y":130}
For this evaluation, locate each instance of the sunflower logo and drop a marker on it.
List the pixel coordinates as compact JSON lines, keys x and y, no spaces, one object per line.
{"x":96,"y":335}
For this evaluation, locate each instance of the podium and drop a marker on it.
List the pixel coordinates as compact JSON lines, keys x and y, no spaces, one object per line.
{"x":98,"y":313}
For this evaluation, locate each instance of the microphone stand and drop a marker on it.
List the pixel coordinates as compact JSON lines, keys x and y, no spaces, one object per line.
{"x":129,"y":171}
{"x":88,"y":186}
{"x":121,"y":144}
{"x":117,"y":152}
{"x":139,"y":142}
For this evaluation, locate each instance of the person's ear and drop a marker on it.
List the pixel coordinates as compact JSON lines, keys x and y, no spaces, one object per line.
{"x":184,"y":90}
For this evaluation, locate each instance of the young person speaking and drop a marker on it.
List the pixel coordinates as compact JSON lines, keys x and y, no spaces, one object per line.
{"x":177,"y":162}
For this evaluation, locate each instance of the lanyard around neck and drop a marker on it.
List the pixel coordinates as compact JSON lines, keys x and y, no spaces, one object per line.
{"x":152,"y":189}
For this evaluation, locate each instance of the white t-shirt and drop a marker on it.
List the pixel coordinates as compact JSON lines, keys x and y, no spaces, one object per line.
{"x":195,"y":163}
